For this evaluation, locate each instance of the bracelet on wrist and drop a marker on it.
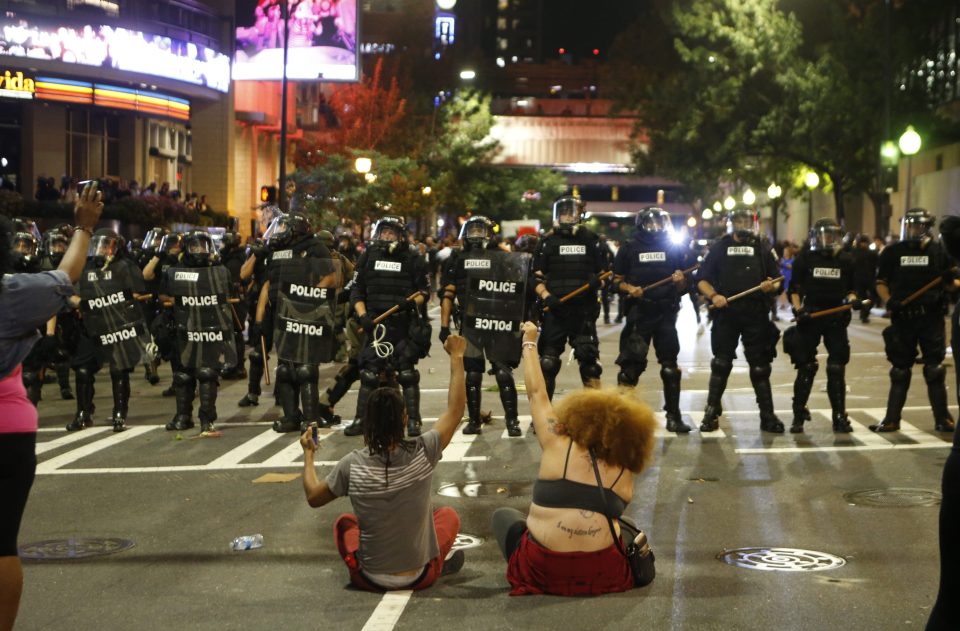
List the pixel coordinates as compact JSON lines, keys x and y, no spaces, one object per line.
{"x":83,"y":229}
{"x":529,"y":345}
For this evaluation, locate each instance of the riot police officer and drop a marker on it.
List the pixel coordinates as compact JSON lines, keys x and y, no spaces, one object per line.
{"x":26,"y":259}
{"x":906,"y":268}
{"x":254,"y":270}
{"x":738,"y":261}
{"x":62,"y":332}
{"x":823,"y":278}
{"x":294,"y":250}
{"x":567,"y":257}
{"x":390,"y":273}
{"x":481,"y":259}
{"x":232,"y":257}
{"x":198,"y":290}
{"x":113,"y":329}
{"x":652,"y":316}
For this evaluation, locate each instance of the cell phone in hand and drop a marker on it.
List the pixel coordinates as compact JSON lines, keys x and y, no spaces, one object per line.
{"x":315,"y":433}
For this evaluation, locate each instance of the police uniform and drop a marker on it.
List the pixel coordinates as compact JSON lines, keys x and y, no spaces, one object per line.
{"x":568,"y":257}
{"x":647,"y":258}
{"x":732,"y":266}
{"x":232,"y":256}
{"x":823,"y":278}
{"x":347,"y":338}
{"x":904,"y":268}
{"x":257,"y":331}
{"x":387,"y":274}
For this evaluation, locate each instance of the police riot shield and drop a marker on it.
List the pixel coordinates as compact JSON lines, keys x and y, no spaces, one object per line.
{"x":305,"y":328}
{"x":493,"y":307}
{"x":204,"y":316}
{"x":112,"y":318}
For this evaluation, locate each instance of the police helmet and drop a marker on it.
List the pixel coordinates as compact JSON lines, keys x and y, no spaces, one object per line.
{"x":390,"y":232}
{"x":56,"y":244}
{"x":231,"y":240}
{"x":655,"y":221}
{"x":826,"y":236}
{"x":25,"y":251}
{"x":326,"y":238}
{"x":286,"y":230}
{"x":153,"y":238}
{"x":477,"y":232}
{"x":171,"y":244}
{"x":567,"y":212}
{"x":527,"y":243}
{"x":199,"y":249}
{"x":916,"y":226}
{"x":104,"y":246}
{"x":744,"y":223}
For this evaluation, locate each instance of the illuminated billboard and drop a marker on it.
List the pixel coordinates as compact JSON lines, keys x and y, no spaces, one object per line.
{"x":106,"y":46}
{"x":322,"y":40}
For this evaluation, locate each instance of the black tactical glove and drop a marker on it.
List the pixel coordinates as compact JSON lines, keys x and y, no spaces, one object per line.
{"x":552,"y":303}
{"x":366,"y":323}
{"x":802,"y":314}
{"x":444,"y":334}
{"x":254,"y":334}
{"x":894,"y":305}
{"x":594,"y":282}
{"x":409,"y":305}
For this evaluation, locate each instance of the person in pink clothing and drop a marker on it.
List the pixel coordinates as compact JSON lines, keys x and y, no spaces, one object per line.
{"x":27,"y":301}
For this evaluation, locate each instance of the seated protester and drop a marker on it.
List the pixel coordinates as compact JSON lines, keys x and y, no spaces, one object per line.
{"x":565,"y":545}
{"x":393,"y":541}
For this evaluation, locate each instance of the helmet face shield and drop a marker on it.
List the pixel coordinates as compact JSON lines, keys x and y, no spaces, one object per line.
{"x":389,"y":229}
{"x":104,"y":246}
{"x":153,"y":239}
{"x":387,"y":233}
{"x":57,"y":244}
{"x":655,"y":221}
{"x":567,"y":211}
{"x":26,"y":244}
{"x":278,"y":233}
{"x":743,"y":223}
{"x":170,"y":244}
{"x":826,"y":236}
{"x":916,"y":226}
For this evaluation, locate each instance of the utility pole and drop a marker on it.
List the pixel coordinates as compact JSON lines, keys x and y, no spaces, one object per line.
{"x":282,"y":188}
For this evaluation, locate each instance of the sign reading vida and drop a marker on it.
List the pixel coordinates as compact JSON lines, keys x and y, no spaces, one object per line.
{"x":16,"y":86}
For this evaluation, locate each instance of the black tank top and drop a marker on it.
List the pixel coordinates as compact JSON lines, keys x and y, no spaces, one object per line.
{"x":564,"y":493}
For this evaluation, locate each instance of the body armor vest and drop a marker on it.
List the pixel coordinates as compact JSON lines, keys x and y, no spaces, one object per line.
{"x":388,"y":279}
{"x":568,"y":260}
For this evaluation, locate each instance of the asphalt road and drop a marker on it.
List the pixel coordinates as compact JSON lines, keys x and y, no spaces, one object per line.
{"x":181,"y":499}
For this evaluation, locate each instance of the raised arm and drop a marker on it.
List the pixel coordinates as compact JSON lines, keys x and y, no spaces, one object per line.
{"x":86,"y":212}
{"x":317,"y":491}
{"x":457,"y":392}
{"x":544,"y":419}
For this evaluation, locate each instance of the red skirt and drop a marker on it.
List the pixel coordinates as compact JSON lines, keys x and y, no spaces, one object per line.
{"x":533,"y":569}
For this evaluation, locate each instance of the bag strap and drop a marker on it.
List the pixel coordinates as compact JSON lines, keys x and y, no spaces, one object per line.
{"x":603,"y":499}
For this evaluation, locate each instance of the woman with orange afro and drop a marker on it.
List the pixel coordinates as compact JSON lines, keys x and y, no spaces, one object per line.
{"x":565,"y":546}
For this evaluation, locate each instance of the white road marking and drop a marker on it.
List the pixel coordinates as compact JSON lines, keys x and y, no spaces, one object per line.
{"x":247,"y":449}
{"x":49,"y":466}
{"x":525,"y":422}
{"x":921,"y":437}
{"x":863,"y":434}
{"x":71,"y":437}
{"x":388,"y":611}
{"x":456,"y":451}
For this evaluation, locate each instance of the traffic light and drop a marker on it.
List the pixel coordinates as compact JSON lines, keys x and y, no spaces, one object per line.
{"x":268,"y":194}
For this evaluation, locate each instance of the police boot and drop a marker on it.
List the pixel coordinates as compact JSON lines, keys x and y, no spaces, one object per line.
{"x":308,"y":376}
{"x":209,"y":385}
{"x":760,"y":378}
{"x":409,"y":379}
{"x":368,"y":383}
{"x":508,"y":397}
{"x":935,"y":376}
{"x":802,"y":386}
{"x":63,"y":377}
{"x":252,"y":397}
{"x":84,"y":417}
{"x":837,"y":393}
{"x":899,"y":385}
{"x":719,"y":372}
{"x":287,"y":396}
{"x":474,"y":394}
{"x":185,"y":386}
{"x":33,"y":384}
{"x":670,"y":375}
{"x":332,"y":396}
{"x":120,"y":381}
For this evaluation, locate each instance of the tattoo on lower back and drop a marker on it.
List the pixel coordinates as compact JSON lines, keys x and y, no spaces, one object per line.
{"x":580,"y":532}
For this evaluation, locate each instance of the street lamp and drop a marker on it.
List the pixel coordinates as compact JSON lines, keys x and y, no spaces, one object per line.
{"x":811,"y":180}
{"x":363,"y":165}
{"x":909,"y":143}
{"x":707,"y":214}
{"x":468,"y":75}
{"x":729,"y":203}
{"x":426,"y":190}
{"x":774,"y":191}
{"x":717,"y":207}
{"x":749,"y":197}
{"x":773,"y":194}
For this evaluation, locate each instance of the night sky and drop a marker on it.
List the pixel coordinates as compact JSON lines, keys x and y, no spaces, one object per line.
{"x":580,"y":26}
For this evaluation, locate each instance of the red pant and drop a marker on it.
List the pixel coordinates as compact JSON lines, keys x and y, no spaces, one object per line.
{"x":346,"y":533}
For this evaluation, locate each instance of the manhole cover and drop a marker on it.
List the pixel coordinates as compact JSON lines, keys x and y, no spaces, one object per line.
{"x":781,"y":559}
{"x":73,"y":548}
{"x":465,"y":541}
{"x":893,"y":498}
{"x":490,"y":488}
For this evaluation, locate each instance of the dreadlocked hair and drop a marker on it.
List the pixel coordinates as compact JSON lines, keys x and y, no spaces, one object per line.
{"x":383,"y":426}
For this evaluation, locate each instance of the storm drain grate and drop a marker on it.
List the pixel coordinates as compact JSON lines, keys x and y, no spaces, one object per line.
{"x":73,"y":548}
{"x":893,"y":498}
{"x":781,"y":559}
{"x":487,"y":488}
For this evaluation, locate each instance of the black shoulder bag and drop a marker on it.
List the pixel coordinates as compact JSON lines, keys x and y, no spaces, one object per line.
{"x":639,"y":557}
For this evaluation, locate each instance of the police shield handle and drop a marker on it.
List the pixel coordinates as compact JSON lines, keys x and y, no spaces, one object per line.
{"x":579,"y":290}
{"x":936,"y":281}
{"x":664,"y":281}
{"x":752,"y":290}
{"x":826,"y":312}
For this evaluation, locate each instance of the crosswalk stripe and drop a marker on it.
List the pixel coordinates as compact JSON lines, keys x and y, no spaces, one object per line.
{"x":921,"y":437}
{"x":525,"y":422}
{"x":247,"y":449}
{"x":863,"y":434}
{"x":293,"y":452}
{"x":91,"y":448}
{"x":71,"y":437}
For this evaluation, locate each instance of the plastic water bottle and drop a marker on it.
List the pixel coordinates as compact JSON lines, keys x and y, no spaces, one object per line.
{"x":247,"y":542}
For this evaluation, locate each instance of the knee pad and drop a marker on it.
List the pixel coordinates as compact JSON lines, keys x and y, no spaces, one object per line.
{"x":934,"y":374}
{"x":409,"y":377}
{"x":811,"y":367}
{"x":86,"y":374}
{"x":504,"y":377}
{"x":307,"y":373}
{"x":207,"y":375}
{"x":369,"y":378}
{"x":284,"y":373}
{"x":256,"y":356}
{"x":628,"y":377}
{"x":586,"y":352}
{"x":668,"y":371}
{"x":592,"y":370}
{"x":550,"y":365}
{"x":900,"y":375}
{"x":760,"y":372}
{"x":474,"y":378}
{"x":835,"y":370}
{"x":721,"y":366}
{"x":182,"y":379}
